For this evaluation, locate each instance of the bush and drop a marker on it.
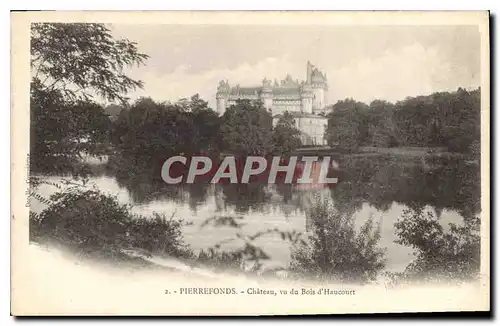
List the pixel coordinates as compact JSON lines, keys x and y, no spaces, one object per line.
{"x":334,"y":251}
{"x":285,"y":136}
{"x":86,"y":219}
{"x":220,"y":260}
{"x":90,"y":221}
{"x":452,"y":255}
{"x":158,"y":235}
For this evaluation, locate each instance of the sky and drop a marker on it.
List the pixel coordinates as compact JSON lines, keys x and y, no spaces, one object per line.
{"x":361,"y":62}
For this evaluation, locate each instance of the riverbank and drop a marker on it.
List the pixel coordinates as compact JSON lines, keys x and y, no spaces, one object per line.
{"x":53,"y":284}
{"x":370,"y":150}
{"x":380,"y":186}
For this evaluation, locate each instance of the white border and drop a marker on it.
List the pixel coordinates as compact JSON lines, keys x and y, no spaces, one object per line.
{"x":184,"y":5}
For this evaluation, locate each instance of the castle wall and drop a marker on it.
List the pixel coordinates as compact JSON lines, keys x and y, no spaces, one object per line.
{"x":314,"y":128}
{"x":307,"y":97}
{"x":268,"y":102}
{"x":319,"y":99}
{"x":280,"y":106}
{"x":307,"y":105}
{"x":221,"y":106}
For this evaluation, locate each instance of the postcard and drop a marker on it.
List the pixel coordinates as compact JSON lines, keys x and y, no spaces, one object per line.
{"x":259,"y":163}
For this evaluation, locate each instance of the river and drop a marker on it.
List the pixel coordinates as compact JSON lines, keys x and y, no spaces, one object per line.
{"x":380,"y":187}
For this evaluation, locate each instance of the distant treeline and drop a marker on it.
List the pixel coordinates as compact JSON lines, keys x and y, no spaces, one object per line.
{"x":443,"y":119}
{"x":150,"y":129}
{"x":446,"y":120}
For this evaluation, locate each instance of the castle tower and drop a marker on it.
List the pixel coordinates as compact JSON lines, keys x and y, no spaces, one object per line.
{"x":319,"y":85}
{"x":266,"y":94}
{"x":306,"y":96}
{"x":309,"y":72}
{"x":221,"y":96}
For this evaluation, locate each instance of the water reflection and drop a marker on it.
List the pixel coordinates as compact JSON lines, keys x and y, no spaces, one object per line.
{"x":379,"y":186}
{"x":441,"y":183}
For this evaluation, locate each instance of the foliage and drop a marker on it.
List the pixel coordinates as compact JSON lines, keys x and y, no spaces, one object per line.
{"x":206,"y":126}
{"x":247,"y":129}
{"x":62,"y":132}
{"x":454,"y":254}
{"x":286,"y":137}
{"x":72,"y":65}
{"x":148,"y":128}
{"x":346,"y":124}
{"x":193,"y":104}
{"x":85,"y":220}
{"x":90,"y":221}
{"x":152,"y":130}
{"x":247,"y":255}
{"x":445,"y":119}
{"x":158,"y":235}
{"x":381,"y":128}
{"x":335,"y":251}
{"x":220,"y":261}
{"x":114,"y":110}
{"x":447,"y":182}
{"x":82,"y":61}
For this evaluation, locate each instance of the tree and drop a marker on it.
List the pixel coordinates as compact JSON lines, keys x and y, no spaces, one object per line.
{"x":286,"y":137}
{"x":247,"y":129}
{"x":441,"y":119}
{"x":413,"y":118}
{"x":335,"y":252}
{"x":150,"y":132}
{"x":91,"y":222}
{"x":381,"y":128}
{"x":205,"y":132}
{"x":461,"y":126}
{"x":61,"y":132}
{"x":383,"y":133}
{"x":440,"y":255}
{"x":82,"y":61}
{"x":73,"y":65}
{"x":113,"y":111}
{"x":448,"y":119}
{"x":153,"y":130}
{"x":347,"y":124}
{"x":193,"y":104}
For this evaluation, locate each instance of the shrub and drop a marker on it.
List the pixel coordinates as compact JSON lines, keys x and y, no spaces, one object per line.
{"x":90,"y":221}
{"x":335,"y":251}
{"x":158,"y":235}
{"x":220,"y":260}
{"x":86,"y":219}
{"x":440,"y":255}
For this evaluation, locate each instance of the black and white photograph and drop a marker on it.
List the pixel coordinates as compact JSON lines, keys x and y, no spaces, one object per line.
{"x":250,"y":163}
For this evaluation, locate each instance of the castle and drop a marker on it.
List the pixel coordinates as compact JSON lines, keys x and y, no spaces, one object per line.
{"x":304,"y":100}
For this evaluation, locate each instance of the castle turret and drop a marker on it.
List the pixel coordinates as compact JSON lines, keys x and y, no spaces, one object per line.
{"x":309,"y":72}
{"x":266,"y":94}
{"x":306,"y":96}
{"x":221,"y":96}
{"x":319,"y":86}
